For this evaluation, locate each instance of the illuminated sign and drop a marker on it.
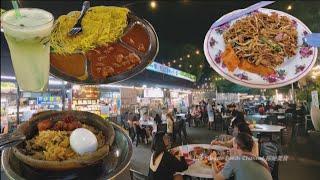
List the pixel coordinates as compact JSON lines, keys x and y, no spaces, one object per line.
{"x":155,"y":93}
{"x":157,"y":67}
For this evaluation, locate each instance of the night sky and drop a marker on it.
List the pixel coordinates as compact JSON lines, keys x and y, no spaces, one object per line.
{"x":176,"y":22}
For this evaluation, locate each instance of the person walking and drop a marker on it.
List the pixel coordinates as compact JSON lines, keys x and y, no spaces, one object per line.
{"x":210,"y":115}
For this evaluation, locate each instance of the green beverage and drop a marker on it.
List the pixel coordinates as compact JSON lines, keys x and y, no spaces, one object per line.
{"x":28,"y":39}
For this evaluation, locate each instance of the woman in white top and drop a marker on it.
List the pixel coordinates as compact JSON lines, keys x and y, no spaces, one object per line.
{"x":170,"y":123}
{"x":240,"y":128}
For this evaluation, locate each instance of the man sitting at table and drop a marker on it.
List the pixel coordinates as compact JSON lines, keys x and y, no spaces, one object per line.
{"x":243,"y":165}
{"x":242,"y":127}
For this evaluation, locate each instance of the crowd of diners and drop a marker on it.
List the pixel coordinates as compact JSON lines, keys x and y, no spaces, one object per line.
{"x":240,"y":139}
{"x":244,"y":162}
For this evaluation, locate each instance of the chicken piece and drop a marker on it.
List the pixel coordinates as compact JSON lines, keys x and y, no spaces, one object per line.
{"x":257,"y":69}
{"x":44,"y":125}
{"x":230,"y":58}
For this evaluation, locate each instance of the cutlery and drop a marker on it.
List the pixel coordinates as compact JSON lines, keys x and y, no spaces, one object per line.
{"x":77,"y":28}
{"x":312,"y":39}
{"x":241,"y":13}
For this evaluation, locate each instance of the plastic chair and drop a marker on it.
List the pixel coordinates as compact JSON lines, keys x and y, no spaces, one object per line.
{"x":136,"y":175}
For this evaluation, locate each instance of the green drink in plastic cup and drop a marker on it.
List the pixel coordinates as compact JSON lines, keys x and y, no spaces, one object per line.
{"x":28,"y":38}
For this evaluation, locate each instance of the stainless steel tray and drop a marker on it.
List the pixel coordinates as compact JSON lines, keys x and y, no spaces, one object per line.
{"x":146,"y":58}
{"x":116,"y":162}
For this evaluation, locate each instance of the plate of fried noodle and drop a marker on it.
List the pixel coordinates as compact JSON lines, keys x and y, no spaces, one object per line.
{"x":263,"y":49}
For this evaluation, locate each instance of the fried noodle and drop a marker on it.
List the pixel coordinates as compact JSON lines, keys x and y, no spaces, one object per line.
{"x":263,"y":39}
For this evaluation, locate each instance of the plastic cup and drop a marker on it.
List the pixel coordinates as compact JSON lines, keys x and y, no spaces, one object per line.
{"x":28,"y":38}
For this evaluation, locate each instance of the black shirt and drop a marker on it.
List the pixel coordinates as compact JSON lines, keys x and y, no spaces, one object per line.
{"x":168,"y":166}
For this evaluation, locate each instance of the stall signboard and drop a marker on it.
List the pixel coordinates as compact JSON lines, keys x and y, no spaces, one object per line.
{"x":157,"y":67}
{"x":153,"y":93}
{"x":227,"y":98}
{"x":48,"y":100}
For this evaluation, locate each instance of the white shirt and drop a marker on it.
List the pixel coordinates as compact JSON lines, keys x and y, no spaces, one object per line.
{"x":169,"y":126}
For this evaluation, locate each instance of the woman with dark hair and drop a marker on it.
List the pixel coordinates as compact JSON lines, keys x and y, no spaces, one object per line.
{"x":238,"y":118}
{"x":139,"y":131}
{"x":242,"y":127}
{"x":164,"y":165}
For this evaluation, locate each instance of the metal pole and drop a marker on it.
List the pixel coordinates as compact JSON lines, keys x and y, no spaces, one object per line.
{"x":18,"y":104}
{"x":63,"y":96}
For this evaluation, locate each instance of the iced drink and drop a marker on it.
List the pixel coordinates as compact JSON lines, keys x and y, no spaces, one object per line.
{"x":28,"y":38}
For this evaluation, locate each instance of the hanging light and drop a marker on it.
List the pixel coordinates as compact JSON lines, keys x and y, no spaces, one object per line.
{"x":153,"y":4}
{"x":181,"y":59}
{"x":174,"y":61}
{"x":197,"y":52}
{"x":200,"y":66}
{"x":188,"y":55}
{"x":190,"y":66}
{"x":289,"y":7}
{"x":180,"y":65}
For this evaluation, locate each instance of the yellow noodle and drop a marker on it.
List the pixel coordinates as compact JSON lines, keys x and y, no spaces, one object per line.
{"x":100,"y":25}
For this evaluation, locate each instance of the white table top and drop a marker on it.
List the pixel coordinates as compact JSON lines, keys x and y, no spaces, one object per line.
{"x":267,"y":128}
{"x":147,"y":123}
{"x":226,"y":116}
{"x":260,"y":116}
{"x":275,"y":112}
{"x":198,"y":169}
{"x":181,"y":115}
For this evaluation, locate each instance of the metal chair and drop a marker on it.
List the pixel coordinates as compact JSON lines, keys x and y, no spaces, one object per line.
{"x":286,"y":136}
{"x":272,"y":119}
{"x":136,"y":175}
{"x":218,"y":121}
{"x":271,"y":149}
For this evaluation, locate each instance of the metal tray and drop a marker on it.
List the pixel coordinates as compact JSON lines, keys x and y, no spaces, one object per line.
{"x":146,"y":58}
{"x":115,"y":163}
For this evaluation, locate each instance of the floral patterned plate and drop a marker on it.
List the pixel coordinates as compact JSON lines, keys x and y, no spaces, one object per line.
{"x":290,"y":71}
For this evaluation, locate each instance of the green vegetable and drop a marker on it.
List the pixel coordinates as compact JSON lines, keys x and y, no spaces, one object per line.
{"x":276,"y":47}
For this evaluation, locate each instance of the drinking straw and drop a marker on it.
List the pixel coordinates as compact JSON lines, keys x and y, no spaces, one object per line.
{"x":16,"y":9}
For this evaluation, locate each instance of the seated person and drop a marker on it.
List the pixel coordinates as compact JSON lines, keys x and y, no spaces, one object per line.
{"x":243,"y":165}
{"x":240,"y":128}
{"x":164,"y":165}
{"x":238,"y":118}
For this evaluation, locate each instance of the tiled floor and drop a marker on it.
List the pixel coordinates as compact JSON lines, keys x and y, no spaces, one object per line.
{"x":303,"y":163}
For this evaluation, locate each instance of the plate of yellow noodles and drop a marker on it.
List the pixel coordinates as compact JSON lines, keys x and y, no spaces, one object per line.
{"x":114,"y":45}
